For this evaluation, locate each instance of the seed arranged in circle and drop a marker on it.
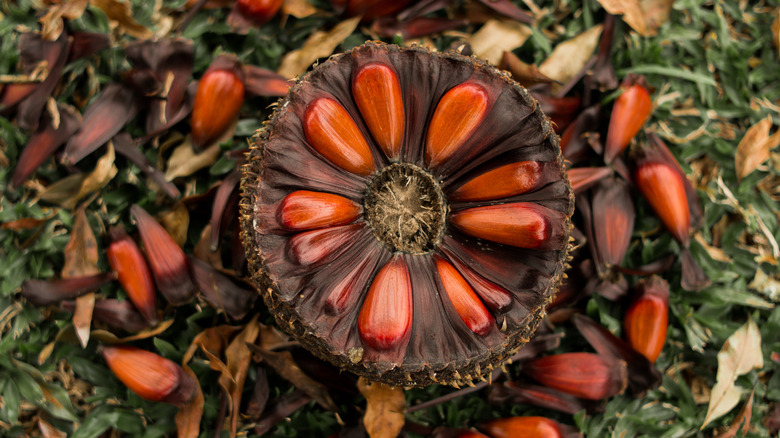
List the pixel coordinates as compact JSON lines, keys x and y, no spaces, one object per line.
{"x":406,"y":214}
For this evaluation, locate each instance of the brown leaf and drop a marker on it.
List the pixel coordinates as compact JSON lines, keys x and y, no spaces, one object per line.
{"x":26,"y":223}
{"x":176,"y":221}
{"x":497,"y":37}
{"x":298,"y":8}
{"x":184,"y":161}
{"x":569,"y":57}
{"x":644,"y":16}
{"x":81,"y":257}
{"x":385,"y":405}
{"x":213,"y":341}
{"x":122,"y":13}
{"x":110,"y":338}
{"x":63,"y":189}
{"x":284,"y":364}
{"x":52,"y":24}
{"x":754,"y":147}
{"x":104,"y":171}
{"x":320,"y":44}
{"x":742,"y":420}
{"x":776,"y":31}
{"x":238,"y":357}
{"x":741,"y":353}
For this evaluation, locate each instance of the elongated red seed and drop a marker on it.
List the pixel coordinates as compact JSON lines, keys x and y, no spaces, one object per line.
{"x":217,"y":102}
{"x":464,"y":299}
{"x":377,"y":94}
{"x":385,"y":319}
{"x":518,"y":224}
{"x":646,"y":320}
{"x":494,"y":296}
{"x":149,"y":375}
{"x":528,"y":427}
{"x":312,"y":247}
{"x":331,"y":131}
{"x":259,"y":11}
{"x":459,"y":113}
{"x":306,"y":210}
{"x":631,"y":110}
{"x":508,"y":180}
{"x":166,"y":259}
{"x":126,"y":259}
{"x":664,"y":189}
{"x":584,"y":375}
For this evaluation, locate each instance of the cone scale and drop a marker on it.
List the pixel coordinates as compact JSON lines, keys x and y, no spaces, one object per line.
{"x":373,"y":230}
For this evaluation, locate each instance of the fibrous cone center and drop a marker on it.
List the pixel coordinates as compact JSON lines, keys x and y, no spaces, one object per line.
{"x":405,"y":207}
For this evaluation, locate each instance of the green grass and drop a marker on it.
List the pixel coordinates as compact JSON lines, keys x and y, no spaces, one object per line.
{"x":714,"y":67}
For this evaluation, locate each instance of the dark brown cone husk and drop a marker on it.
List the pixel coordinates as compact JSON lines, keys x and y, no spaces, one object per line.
{"x":320,"y":304}
{"x":44,"y":292}
{"x":642,"y":375}
{"x":44,"y":141}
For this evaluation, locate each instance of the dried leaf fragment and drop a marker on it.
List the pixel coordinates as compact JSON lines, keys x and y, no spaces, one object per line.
{"x":81,"y":257}
{"x":644,"y":16}
{"x":497,"y":37}
{"x":754,"y":147}
{"x":122,"y":13}
{"x":319,"y":44}
{"x":185,"y":161}
{"x":385,"y":405}
{"x":570,"y":56}
{"x":741,"y":353}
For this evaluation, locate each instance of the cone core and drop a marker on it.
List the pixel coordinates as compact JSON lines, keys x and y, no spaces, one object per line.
{"x":405,"y":207}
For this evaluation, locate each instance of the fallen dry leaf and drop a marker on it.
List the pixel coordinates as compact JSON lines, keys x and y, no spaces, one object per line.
{"x":320,"y":44}
{"x":185,"y":161}
{"x":644,"y":16}
{"x":714,"y":252}
{"x":385,"y":405}
{"x":212,"y":341}
{"x":51,"y":22}
{"x":81,"y":258}
{"x":497,"y":37}
{"x":110,"y":338}
{"x":25,"y":223}
{"x":740,"y":354}
{"x":766,"y":284}
{"x":122,"y":13}
{"x":742,"y":420}
{"x":176,"y":221}
{"x":569,"y":57}
{"x":238,"y":357}
{"x":298,"y":8}
{"x":68,"y":191}
{"x":776,"y":31}
{"x":754,"y":147}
